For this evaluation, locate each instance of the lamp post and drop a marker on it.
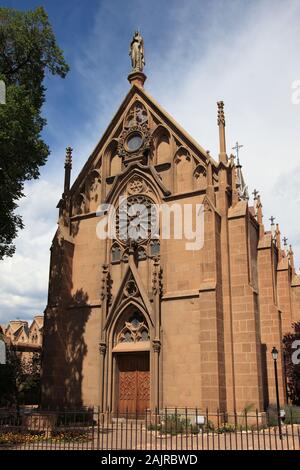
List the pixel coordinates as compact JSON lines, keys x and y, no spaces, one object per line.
{"x":275,"y":357}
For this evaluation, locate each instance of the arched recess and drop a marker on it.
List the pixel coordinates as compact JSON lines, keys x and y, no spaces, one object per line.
{"x":131,"y":328}
{"x":130,"y":363}
{"x":200,"y":177}
{"x":150,"y":186}
{"x":162,"y":145}
{"x":183,"y":171}
{"x":113,"y":159}
{"x":123,"y":312}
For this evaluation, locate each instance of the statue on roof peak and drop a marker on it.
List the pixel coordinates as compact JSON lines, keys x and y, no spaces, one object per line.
{"x":136,"y":52}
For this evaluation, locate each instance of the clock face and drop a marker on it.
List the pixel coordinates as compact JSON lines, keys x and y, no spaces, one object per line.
{"x":137,"y":219}
{"x":134,"y":142}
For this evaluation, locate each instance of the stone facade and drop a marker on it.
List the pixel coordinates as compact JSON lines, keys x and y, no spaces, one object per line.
{"x":25,"y":339}
{"x":200,"y":323}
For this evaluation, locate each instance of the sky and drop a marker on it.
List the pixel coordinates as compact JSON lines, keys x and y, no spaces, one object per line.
{"x":246,"y":53}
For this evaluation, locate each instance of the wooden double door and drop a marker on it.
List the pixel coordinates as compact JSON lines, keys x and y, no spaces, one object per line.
{"x":133,"y":382}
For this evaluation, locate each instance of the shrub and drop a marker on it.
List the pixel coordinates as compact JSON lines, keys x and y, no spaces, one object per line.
{"x":292,"y":414}
{"x":174,"y":424}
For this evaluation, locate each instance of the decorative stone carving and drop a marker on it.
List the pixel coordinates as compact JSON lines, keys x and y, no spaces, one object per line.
{"x":106,"y":285}
{"x":136,"y":185}
{"x":134,"y":330}
{"x":135,"y":141}
{"x":157,"y":278}
{"x":103,"y":282}
{"x":156,"y":345}
{"x":221,"y":115}
{"x":160,"y":281}
{"x":136,"y":116}
{"x":80,"y":202}
{"x":102,"y":348}
{"x":130,"y":289}
{"x":136,"y":220}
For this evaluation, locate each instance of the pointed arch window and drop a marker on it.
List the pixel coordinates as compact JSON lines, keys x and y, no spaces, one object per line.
{"x":134,"y":330}
{"x":154,"y":248}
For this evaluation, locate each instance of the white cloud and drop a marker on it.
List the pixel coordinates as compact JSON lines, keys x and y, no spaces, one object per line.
{"x":24,"y":278}
{"x":253,"y":72}
{"x":244,"y":52}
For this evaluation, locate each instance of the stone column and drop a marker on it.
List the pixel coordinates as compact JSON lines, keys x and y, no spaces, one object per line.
{"x":102,"y":344}
{"x":222,"y":139}
{"x":102,"y":350}
{"x":68,"y":168}
{"x":157,"y":292}
{"x":156,"y":349}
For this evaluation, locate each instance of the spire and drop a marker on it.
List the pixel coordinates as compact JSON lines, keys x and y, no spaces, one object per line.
{"x":68,"y":168}
{"x":278,"y":240}
{"x":222,"y":139}
{"x":237,"y":147}
{"x":235,"y":192}
{"x":240,"y":181}
{"x":291,"y":258}
{"x":259,"y":213}
{"x":272,"y":220}
{"x":259,"y":216}
{"x":210,"y":185}
{"x":136,"y":52}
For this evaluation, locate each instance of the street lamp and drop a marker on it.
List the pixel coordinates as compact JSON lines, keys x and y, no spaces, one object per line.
{"x":275,"y":357}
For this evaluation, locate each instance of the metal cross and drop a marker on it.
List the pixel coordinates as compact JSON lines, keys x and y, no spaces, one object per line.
{"x":272,"y":219}
{"x":237,"y":147}
{"x":285,"y":241}
{"x":255,"y":194}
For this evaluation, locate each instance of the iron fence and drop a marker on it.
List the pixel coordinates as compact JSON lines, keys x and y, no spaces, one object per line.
{"x":168,"y":429}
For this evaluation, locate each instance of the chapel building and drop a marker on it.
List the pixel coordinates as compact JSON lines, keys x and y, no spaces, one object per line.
{"x":136,"y":324}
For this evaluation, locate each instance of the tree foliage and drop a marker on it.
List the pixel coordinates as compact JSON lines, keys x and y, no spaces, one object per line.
{"x":20,"y":379}
{"x":28,"y":50}
{"x":291,"y":367}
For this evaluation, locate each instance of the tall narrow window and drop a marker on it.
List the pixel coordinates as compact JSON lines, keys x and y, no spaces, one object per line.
{"x":115,"y":253}
{"x":154,"y":248}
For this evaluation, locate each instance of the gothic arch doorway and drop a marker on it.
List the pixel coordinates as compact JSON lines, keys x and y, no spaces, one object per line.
{"x":132,"y":360}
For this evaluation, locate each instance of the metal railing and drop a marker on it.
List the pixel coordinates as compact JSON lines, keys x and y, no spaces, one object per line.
{"x":168,"y":429}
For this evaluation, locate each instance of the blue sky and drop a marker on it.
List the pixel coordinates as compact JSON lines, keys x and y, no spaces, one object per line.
{"x":197,"y":52}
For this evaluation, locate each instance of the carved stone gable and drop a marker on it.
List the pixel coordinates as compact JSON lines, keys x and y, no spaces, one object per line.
{"x":131,"y":290}
{"x":135,"y":141}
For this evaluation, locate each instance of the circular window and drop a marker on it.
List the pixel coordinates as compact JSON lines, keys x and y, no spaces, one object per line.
{"x":134,"y":142}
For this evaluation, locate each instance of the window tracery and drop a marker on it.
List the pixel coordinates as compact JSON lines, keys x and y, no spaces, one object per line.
{"x":134,"y":330}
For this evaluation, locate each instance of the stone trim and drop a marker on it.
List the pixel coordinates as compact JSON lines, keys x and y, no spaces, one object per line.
{"x":208,"y":286}
{"x":95,"y":304}
{"x":180,"y":294}
{"x":89,"y":215}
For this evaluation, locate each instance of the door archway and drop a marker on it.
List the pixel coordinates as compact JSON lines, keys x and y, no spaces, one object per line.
{"x":132,"y":358}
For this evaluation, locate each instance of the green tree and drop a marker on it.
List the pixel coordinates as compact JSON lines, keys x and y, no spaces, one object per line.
{"x":20,"y":379}
{"x":292,"y":369}
{"x":28,"y":50}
